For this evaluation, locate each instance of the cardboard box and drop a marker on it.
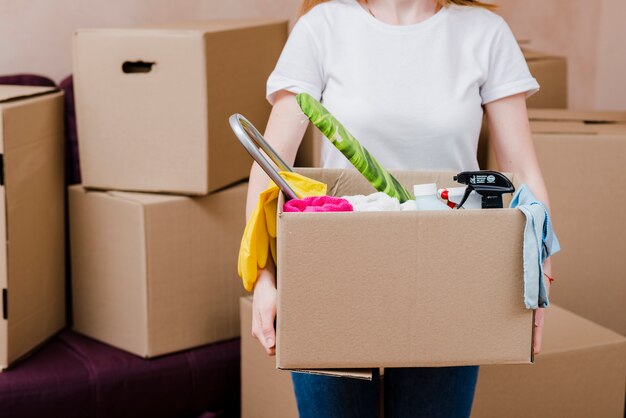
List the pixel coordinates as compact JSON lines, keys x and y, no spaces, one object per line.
{"x":551,"y":73}
{"x":400,"y":289}
{"x":155,"y":274}
{"x":153,"y":103}
{"x":32,"y":256}
{"x":265,"y":391}
{"x":579,"y":374}
{"x":582,"y":157}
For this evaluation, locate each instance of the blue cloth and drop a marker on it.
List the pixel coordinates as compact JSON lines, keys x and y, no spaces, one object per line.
{"x":443,"y":392}
{"x":540,"y":242}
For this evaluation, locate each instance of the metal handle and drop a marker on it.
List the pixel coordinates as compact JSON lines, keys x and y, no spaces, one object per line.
{"x":252,"y":141}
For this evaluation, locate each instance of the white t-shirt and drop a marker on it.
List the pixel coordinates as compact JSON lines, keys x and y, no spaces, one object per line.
{"x":411,"y":94}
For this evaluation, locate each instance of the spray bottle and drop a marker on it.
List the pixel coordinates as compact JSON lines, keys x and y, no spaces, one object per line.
{"x":491,"y":185}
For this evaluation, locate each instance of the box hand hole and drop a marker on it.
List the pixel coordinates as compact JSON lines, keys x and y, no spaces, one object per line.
{"x":134,"y":67}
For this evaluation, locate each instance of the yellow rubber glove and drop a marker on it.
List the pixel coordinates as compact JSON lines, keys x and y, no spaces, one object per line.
{"x":259,"y":237}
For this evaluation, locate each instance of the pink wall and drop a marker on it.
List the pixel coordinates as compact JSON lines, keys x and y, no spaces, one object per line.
{"x":35,"y":34}
{"x":591,"y":34}
{"x":610,"y":86}
{"x":565,"y":27}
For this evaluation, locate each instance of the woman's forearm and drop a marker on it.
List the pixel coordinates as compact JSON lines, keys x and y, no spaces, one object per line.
{"x":511,"y":138}
{"x":284,"y":132}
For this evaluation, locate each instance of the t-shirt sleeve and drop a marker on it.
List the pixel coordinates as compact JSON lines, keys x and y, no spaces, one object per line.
{"x":507,"y":71}
{"x":299,"y":68}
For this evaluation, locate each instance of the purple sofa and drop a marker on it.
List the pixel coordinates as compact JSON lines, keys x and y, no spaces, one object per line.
{"x":75,"y":377}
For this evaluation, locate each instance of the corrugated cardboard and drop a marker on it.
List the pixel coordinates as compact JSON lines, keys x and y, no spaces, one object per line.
{"x":32,"y":256}
{"x":166,"y":130}
{"x":265,"y":391}
{"x":155,"y":274}
{"x":582,"y":156}
{"x":400,"y":289}
{"x":579,"y":374}
{"x":551,"y":73}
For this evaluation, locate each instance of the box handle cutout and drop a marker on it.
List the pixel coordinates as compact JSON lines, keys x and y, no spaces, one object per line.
{"x":5,"y":307}
{"x":599,"y":122}
{"x":136,"y":67}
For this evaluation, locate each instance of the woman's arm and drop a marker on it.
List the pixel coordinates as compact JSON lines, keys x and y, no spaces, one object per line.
{"x":284,"y":132}
{"x":510,"y":136}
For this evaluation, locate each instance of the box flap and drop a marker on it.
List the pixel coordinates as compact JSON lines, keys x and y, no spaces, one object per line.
{"x":139,"y":198}
{"x":209,"y":26}
{"x":362,"y":374}
{"x":563,"y":121}
{"x":173,"y":28}
{"x":585,"y":116}
{"x":9,"y":93}
{"x":532,"y":55}
{"x":574,"y":333}
{"x":146,"y":198}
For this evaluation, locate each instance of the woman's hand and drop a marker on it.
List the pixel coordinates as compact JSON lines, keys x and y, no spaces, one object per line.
{"x":264,"y":310}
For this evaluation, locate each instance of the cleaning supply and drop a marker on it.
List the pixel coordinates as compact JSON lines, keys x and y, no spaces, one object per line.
{"x":318,"y":204}
{"x":252,"y":140}
{"x":356,"y":153}
{"x":259,"y":236}
{"x":426,"y":197}
{"x":375,"y":202}
{"x":540,"y":242}
{"x":491,"y":185}
{"x":453,"y":195}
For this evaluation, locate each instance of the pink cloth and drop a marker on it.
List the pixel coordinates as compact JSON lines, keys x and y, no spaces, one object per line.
{"x":318,"y":204}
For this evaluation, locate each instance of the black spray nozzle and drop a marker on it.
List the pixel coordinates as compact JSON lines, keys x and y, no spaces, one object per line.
{"x":491,"y":185}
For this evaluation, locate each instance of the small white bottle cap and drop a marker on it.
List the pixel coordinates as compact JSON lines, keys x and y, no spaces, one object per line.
{"x":429,"y":189}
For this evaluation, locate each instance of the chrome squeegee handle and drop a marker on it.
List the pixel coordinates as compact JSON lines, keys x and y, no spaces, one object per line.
{"x":252,"y":141}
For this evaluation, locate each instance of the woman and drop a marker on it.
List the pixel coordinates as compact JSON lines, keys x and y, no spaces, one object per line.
{"x":410,"y":79}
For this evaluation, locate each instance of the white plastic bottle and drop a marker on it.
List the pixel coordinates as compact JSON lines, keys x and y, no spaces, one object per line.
{"x":426,"y":197}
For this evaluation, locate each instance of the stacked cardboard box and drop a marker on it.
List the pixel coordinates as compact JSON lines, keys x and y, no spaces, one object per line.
{"x":551,"y":74}
{"x":32,"y":255}
{"x":582,"y":156}
{"x":153,"y":103}
{"x":157,"y":273}
{"x":550,"y":71}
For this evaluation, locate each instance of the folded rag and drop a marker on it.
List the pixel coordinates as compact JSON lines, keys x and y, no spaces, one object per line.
{"x":318,"y":204}
{"x":374,"y":202}
{"x":540,"y":242}
{"x":259,"y":237}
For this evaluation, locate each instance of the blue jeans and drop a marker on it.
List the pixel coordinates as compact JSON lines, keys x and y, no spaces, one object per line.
{"x":444,"y":392}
